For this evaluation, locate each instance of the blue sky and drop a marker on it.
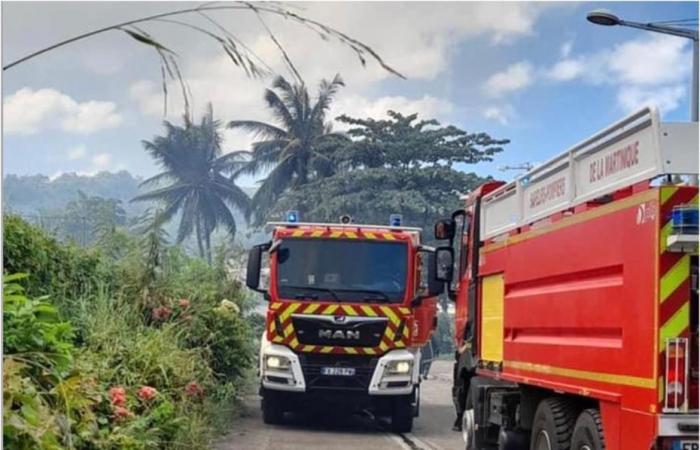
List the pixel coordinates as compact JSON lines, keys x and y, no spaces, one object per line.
{"x":536,"y":73}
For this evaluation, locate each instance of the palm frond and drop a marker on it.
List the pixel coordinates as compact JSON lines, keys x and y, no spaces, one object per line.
{"x":259,"y":129}
{"x":165,"y":193}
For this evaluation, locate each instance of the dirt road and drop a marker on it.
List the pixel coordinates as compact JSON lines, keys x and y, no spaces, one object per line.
{"x":431,"y":431}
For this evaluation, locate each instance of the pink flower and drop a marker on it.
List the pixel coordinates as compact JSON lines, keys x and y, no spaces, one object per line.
{"x":184,"y":303}
{"x":117,"y":396}
{"x":122,"y":413}
{"x":193,"y":389}
{"x":147,"y":393}
{"x":161,"y":313}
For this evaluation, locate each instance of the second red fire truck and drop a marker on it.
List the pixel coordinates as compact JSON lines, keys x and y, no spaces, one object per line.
{"x":576,"y":294}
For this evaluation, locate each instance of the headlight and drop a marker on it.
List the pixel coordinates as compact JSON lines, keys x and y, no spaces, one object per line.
{"x":274,"y":362}
{"x":399,"y":367}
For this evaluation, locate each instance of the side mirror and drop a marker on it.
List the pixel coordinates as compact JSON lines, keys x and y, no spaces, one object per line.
{"x":444,"y":229}
{"x":444,"y":264}
{"x":252,"y":277}
{"x":435,"y":286}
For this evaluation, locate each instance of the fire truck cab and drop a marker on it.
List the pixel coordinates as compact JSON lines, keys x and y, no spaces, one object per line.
{"x":349,"y":308}
{"x":576,"y":291}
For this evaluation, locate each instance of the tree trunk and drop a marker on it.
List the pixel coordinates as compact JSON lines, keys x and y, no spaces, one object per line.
{"x":207,"y":241}
{"x":198,"y":231}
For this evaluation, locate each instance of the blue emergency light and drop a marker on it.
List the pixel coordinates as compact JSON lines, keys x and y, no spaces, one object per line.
{"x":685,"y":219}
{"x":395,"y":220}
{"x":292,"y":216}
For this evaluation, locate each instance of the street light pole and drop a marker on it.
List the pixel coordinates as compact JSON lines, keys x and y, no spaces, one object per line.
{"x":694,"y":100}
{"x":607,"y":18}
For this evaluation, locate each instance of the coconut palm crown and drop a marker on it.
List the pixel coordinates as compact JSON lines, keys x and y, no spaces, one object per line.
{"x":195,"y":173}
{"x":295,"y":150}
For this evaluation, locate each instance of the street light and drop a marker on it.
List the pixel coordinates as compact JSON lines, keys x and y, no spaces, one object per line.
{"x":607,"y":18}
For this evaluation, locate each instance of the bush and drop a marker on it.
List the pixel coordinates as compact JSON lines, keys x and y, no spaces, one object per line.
{"x":146,"y":362}
{"x":37,"y":353}
{"x":63,"y":271}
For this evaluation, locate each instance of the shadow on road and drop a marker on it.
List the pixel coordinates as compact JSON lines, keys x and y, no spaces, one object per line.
{"x":332,"y":421}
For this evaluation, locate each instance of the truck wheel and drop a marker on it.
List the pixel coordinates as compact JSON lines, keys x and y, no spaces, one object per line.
{"x":473,"y":439}
{"x":272,"y":411}
{"x":402,"y":415}
{"x":588,"y":432}
{"x":512,"y":440}
{"x":553,"y":425}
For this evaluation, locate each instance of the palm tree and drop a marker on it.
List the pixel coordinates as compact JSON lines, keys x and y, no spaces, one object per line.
{"x":195,"y":169}
{"x":294,"y":149}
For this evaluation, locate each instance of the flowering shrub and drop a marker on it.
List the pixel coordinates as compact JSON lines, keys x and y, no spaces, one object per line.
{"x":134,"y":369}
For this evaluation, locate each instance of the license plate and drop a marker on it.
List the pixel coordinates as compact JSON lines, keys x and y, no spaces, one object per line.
{"x":338,"y":371}
{"x":688,"y":445}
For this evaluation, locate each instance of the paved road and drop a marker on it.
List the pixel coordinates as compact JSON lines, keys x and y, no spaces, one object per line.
{"x":431,"y":431}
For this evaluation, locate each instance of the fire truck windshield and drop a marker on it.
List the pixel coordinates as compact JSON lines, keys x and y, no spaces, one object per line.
{"x":342,"y":270}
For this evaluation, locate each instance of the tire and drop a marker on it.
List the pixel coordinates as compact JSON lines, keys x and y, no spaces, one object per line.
{"x":272,"y":411}
{"x":553,"y":425}
{"x":512,"y":440}
{"x":588,"y":431}
{"x":402,"y":415}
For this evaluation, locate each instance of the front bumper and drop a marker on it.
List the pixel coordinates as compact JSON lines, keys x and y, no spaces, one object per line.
{"x":678,"y":425}
{"x":371,"y":377}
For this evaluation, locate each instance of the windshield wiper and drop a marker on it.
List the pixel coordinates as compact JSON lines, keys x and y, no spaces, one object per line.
{"x":382,"y":295}
{"x":315,"y":289}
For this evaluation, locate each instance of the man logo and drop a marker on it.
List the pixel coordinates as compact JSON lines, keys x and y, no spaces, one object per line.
{"x":338,"y":334}
{"x":339,"y":319}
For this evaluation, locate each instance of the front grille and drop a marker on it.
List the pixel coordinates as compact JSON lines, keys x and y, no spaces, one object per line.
{"x":311,"y":365}
{"x":349,"y":332}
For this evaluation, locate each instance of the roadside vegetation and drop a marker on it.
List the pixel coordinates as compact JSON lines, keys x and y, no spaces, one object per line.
{"x":148,"y":349}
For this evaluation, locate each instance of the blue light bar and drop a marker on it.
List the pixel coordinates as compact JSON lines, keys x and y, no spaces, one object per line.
{"x":685,"y":219}
{"x":395,"y":220}
{"x":292,"y":216}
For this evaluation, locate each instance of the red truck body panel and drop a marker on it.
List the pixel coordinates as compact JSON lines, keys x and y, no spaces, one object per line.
{"x":588,"y":302}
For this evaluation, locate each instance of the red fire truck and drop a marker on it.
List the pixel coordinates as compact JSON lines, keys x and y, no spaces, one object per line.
{"x":576,"y":291}
{"x":350,"y":307}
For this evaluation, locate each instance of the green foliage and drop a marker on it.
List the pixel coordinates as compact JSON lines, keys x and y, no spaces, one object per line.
{"x":37,"y":353}
{"x":61,"y":271}
{"x":176,"y":336}
{"x":296,"y":150}
{"x":399,"y":165}
{"x":195,"y":168}
{"x":33,"y":327}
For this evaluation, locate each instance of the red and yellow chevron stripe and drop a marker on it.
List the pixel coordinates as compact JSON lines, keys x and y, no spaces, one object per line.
{"x":674,"y":275}
{"x":280,"y":329}
{"x":330,"y":233}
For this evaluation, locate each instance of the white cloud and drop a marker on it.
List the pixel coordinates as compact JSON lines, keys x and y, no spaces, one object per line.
{"x":101,"y":161}
{"x":28,"y":112}
{"x":653,"y":60}
{"x":652,"y":69}
{"x":566,"y":48}
{"x":501,"y":114}
{"x":567,"y":69}
{"x":514,"y":78}
{"x":427,"y":107}
{"x":666,"y":98}
{"x":77,"y":152}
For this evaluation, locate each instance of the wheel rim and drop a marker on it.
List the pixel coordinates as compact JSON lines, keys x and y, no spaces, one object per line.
{"x":468,"y":428}
{"x":585,"y":447}
{"x":543,"y":442}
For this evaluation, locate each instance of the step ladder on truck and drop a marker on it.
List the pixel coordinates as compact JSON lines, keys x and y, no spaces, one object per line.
{"x":576,"y":296}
